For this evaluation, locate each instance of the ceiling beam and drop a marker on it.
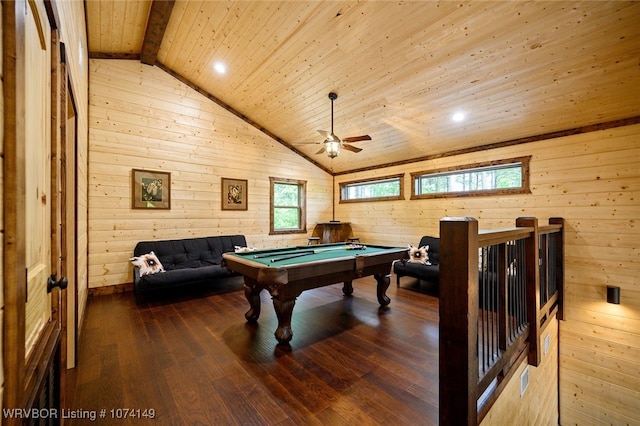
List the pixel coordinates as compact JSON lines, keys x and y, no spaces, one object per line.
{"x":102,"y":55}
{"x":156,"y":25}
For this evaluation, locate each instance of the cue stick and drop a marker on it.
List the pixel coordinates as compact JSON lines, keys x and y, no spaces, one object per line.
{"x":308,"y":252}
{"x":291,"y":256}
{"x":261,"y":256}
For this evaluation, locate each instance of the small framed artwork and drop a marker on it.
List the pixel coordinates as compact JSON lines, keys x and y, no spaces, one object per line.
{"x":234,"y":194}
{"x":151,"y":189}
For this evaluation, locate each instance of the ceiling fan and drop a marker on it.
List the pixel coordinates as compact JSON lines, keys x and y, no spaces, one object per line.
{"x":332,"y":144}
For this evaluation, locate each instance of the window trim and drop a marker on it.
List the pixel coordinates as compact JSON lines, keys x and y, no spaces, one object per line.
{"x":524,"y":189}
{"x":400,"y":178}
{"x":302,"y":206}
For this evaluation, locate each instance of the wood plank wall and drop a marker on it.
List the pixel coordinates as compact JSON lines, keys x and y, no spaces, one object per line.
{"x":593,"y":181}
{"x":538,"y":404}
{"x":141,"y":117}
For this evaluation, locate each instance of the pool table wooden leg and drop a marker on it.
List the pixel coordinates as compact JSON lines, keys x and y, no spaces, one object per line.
{"x":347,"y":288}
{"x":284,"y":310}
{"x":383,"y":284}
{"x":252,"y":293}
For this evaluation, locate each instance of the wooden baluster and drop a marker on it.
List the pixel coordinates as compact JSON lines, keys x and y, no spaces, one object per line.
{"x":533,"y":288}
{"x":503,"y":297}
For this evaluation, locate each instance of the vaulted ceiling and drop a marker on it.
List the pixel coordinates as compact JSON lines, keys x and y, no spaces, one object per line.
{"x":401,"y":69}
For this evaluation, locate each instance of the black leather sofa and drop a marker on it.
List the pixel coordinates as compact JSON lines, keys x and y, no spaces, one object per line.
{"x":186,"y":262}
{"x":431,"y":273}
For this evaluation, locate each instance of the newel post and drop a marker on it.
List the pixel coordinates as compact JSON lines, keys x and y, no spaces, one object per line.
{"x":532,"y":255}
{"x":458,"y":321}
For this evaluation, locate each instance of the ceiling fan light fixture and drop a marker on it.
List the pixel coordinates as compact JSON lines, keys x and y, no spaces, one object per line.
{"x":332,"y":144}
{"x":333,"y":148}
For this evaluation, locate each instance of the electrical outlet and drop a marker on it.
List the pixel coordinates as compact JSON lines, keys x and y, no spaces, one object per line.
{"x":547,"y":343}
{"x":524,"y":381}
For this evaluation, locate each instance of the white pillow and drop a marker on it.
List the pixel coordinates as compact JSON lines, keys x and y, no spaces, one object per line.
{"x":419,"y":255}
{"x":240,"y":249}
{"x":147,"y":264}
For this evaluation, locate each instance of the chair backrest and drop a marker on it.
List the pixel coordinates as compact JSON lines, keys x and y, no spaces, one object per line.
{"x":434,"y":247}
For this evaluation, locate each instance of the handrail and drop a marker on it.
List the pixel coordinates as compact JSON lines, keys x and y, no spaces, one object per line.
{"x":489,"y":237}
{"x":498,"y":288}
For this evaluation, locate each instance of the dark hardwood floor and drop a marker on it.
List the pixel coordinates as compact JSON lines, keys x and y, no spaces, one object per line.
{"x":197,"y":361}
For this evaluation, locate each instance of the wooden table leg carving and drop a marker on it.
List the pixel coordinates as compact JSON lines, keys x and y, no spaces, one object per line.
{"x":284,"y":310}
{"x":383,"y":284}
{"x":252,"y":293}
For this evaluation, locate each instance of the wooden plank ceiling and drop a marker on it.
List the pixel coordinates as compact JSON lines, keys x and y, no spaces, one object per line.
{"x":400,"y":68}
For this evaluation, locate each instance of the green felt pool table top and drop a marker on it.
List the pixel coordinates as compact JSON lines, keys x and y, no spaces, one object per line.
{"x":290,"y":256}
{"x":287,"y":272}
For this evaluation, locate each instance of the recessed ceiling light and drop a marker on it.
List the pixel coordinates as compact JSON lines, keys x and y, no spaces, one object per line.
{"x":220,"y":67}
{"x":458,"y":116}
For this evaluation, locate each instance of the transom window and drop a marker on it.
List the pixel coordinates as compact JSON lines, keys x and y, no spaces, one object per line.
{"x":510,"y":176}
{"x":288,"y":206}
{"x":379,"y":189}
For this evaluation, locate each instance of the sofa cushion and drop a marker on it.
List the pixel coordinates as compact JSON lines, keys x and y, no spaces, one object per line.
{"x":224,"y":244}
{"x":417,"y":270}
{"x":177,"y":277}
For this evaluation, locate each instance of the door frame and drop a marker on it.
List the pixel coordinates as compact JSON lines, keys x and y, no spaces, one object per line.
{"x":14,"y":243}
{"x":69,"y":221}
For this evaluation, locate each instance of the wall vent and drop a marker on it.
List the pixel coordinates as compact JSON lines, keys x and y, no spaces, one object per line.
{"x":524,"y":381}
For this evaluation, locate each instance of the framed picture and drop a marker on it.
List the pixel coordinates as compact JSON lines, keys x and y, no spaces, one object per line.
{"x":151,"y":190}
{"x":234,"y":194}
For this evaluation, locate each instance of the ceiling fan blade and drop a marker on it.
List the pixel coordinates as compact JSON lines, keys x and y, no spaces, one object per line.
{"x":324,"y":133}
{"x":307,"y":143}
{"x":323,"y":149}
{"x":357,"y":138}
{"x":351,"y":148}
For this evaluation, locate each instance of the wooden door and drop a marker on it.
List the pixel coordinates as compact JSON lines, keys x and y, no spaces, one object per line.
{"x":38,"y":196}
{"x":31,"y":333}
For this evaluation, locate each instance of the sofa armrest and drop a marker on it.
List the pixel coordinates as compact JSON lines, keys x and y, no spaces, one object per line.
{"x":136,"y":275}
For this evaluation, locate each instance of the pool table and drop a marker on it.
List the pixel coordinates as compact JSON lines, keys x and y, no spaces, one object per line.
{"x":287,"y":272}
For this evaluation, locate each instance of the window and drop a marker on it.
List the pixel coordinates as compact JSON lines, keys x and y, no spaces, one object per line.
{"x":381,"y":189}
{"x":510,"y":176}
{"x":288,"y":206}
